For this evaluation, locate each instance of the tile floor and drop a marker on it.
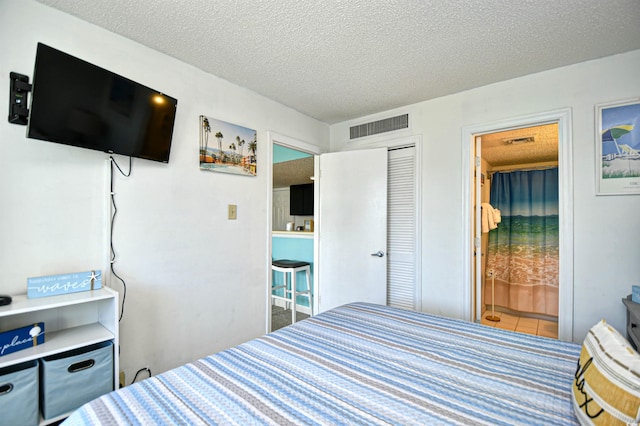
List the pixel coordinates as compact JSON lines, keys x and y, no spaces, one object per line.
{"x":512,"y":322}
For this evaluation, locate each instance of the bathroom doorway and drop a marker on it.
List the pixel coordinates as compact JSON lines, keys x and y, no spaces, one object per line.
{"x":519,"y":247}
{"x":475,"y":176}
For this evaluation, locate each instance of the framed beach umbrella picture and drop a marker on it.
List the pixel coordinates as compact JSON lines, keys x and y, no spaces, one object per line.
{"x":227,"y":148}
{"x":618,"y":148}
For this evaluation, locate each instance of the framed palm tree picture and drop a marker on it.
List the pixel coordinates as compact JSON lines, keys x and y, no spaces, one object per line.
{"x":227,"y":147}
{"x":618,"y":148}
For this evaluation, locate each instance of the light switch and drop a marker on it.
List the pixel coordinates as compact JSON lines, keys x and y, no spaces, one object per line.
{"x":233,"y":211}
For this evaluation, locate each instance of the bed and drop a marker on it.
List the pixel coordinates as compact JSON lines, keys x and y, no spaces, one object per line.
{"x":360,"y":364}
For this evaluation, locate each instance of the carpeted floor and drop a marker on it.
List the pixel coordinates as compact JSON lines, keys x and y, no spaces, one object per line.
{"x":281,"y":317}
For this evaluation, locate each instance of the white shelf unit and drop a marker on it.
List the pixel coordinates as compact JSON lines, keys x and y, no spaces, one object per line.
{"x":71,"y":321}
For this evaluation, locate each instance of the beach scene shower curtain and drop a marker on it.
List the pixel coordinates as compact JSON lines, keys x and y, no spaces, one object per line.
{"x":523,"y":250}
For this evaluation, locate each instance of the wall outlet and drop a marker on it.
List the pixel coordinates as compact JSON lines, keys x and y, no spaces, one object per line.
{"x":122,"y":382}
{"x":233,"y":211}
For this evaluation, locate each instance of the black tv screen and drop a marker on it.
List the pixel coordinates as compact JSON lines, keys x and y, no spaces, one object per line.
{"x":80,"y":104}
{"x":301,"y":200}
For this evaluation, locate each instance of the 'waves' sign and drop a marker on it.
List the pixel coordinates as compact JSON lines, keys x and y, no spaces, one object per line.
{"x":53,"y":285}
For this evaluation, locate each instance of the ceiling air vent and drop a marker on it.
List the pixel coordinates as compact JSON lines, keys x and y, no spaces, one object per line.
{"x":380,"y":126}
{"x":516,"y":141}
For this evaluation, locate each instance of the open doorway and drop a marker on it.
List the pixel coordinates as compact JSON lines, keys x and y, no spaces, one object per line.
{"x":471,"y":244}
{"x":519,"y":248}
{"x":292,"y":227}
{"x":292,"y":163}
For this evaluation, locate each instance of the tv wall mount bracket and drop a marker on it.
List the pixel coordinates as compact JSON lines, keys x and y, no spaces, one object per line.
{"x":19,"y":89}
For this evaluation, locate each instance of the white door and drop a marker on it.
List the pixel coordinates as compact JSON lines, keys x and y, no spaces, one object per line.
{"x":402,"y":216}
{"x":352,"y":228}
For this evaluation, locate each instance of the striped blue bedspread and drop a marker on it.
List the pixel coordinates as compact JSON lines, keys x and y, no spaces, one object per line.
{"x":359,"y":364}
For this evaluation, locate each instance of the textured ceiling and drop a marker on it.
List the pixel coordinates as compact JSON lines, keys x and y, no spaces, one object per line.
{"x":294,"y":172}
{"x":509,"y":149}
{"x":339,"y":60}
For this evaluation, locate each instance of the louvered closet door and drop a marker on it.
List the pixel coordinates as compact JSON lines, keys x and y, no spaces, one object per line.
{"x":401,"y":228}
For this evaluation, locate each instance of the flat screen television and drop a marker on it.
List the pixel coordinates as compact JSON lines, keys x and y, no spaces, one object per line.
{"x":301,"y":200}
{"x":80,"y":104}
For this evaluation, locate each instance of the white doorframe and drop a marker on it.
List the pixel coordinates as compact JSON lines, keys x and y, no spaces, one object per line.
{"x":289,"y":142}
{"x":477,"y":250}
{"x":416,"y":141}
{"x":565,"y":183}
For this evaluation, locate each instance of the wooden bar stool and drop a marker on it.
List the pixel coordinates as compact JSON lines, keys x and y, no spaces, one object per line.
{"x":291,"y":292}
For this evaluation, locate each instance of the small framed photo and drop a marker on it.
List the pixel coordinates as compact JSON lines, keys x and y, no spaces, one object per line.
{"x":227,"y":147}
{"x":618,"y":148}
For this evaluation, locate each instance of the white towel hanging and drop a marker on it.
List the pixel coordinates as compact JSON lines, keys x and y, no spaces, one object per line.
{"x":488,"y":217}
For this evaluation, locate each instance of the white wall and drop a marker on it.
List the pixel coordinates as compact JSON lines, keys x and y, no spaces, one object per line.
{"x":196,"y":281}
{"x":606,"y":228}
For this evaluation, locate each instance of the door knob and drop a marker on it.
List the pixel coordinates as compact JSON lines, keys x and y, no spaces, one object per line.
{"x":379,"y":253}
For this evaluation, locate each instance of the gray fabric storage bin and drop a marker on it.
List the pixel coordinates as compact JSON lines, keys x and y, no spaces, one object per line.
{"x":70,"y":379}
{"x":19,"y":394}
